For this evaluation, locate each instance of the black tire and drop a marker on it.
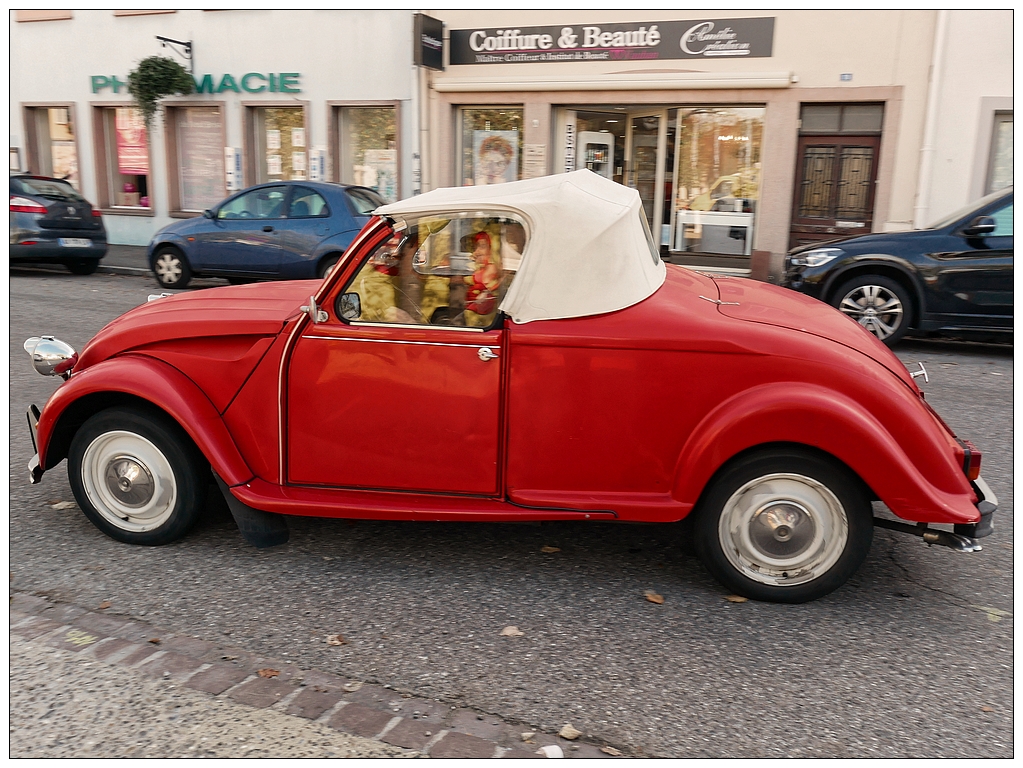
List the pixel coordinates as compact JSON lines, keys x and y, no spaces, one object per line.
{"x":136,"y":476}
{"x":171,"y":268}
{"x":83,"y":266}
{"x":327,"y":264}
{"x":878,"y":303}
{"x":784,"y":526}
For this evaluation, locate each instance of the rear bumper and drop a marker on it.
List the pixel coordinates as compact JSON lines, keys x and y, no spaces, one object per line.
{"x":987,"y":503}
{"x":50,"y":249}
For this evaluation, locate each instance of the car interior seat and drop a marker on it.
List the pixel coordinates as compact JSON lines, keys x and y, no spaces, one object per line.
{"x":301,"y":208}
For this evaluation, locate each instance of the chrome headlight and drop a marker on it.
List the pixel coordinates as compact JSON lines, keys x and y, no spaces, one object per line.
{"x":50,"y":356}
{"x":816,"y":258}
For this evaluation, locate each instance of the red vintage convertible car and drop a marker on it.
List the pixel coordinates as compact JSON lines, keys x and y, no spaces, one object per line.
{"x":509,"y":353}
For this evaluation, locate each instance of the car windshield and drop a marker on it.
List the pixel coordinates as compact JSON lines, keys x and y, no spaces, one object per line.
{"x":966,"y":210}
{"x":51,"y":189}
{"x":365,"y":201}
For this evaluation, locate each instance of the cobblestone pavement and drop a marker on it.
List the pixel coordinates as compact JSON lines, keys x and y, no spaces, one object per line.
{"x":92,"y":684}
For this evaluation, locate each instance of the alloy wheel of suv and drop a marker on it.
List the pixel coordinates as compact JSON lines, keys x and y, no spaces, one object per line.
{"x":877,"y":303}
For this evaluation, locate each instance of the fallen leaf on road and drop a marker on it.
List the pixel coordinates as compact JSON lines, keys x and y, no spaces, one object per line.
{"x":993,"y":614}
{"x":268,"y":673}
{"x":512,"y":632}
{"x":653,"y":597}
{"x":104,"y":605}
{"x":610,"y":751}
{"x":987,"y":709}
{"x":736,"y":598}
{"x":336,"y":640}
{"x":229,"y":658}
{"x":548,"y":550}
{"x":63,"y":505}
{"x":154,"y":640}
{"x":527,"y":735}
{"x":570,"y":733}
{"x":352,"y":686}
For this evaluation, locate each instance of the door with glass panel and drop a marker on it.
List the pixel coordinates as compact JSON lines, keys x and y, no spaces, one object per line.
{"x":645,"y":146}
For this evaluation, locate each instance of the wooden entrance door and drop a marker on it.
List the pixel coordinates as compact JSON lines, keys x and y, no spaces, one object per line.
{"x":835,"y":181}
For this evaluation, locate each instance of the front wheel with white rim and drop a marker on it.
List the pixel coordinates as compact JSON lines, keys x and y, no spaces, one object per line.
{"x":784,"y":526}
{"x":136,"y":476}
{"x":170,"y":268}
{"x":877,"y":303}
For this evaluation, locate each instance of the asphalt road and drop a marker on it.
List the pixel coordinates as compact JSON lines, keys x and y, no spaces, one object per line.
{"x":912,"y":658}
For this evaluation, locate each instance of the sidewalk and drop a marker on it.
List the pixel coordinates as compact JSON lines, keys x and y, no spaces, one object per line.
{"x":125,"y":259}
{"x":94,"y":684}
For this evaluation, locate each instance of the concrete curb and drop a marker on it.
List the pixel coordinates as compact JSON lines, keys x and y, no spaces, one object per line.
{"x":428,"y":727}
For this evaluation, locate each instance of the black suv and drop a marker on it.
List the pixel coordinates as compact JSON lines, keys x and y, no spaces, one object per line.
{"x":955,"y":276}
{"x":52,"y":223}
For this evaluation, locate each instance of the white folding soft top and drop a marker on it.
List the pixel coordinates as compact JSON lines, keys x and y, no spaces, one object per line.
{"x":588,"y":248}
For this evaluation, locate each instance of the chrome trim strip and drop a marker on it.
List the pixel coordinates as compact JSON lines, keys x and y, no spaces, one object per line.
{"x":398,"y":341}
{"x":364,"y":324}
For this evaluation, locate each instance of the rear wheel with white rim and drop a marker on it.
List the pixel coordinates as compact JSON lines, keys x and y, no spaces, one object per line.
{"x":136,"y":476}
{"x":170,"y":268}
{"x":784,"y":526}
{"x":877,"y":303}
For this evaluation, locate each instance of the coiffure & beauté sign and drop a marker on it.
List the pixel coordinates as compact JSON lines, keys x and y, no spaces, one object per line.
{"x":699,"y":39}
{"x":251,"y":82}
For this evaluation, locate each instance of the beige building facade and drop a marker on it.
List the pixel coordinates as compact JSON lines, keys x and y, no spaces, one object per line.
{"x":745,"y":133}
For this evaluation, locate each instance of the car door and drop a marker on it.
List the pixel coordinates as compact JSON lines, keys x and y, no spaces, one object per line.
{"x":242,"y":237}
{"x":391,"y":399}
{"x":974,"y":277}
{"x":309,"y":220}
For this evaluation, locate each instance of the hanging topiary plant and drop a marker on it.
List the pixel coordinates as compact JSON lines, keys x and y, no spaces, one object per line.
{"x":154,"y":78}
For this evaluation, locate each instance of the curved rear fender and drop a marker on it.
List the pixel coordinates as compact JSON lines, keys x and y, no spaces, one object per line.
{"x":143,"y":380}
{"x":823,"y":419}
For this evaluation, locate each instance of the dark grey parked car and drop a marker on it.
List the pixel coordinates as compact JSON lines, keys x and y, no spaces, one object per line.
{"x":52,"y":223}
{"x":954,"y":276}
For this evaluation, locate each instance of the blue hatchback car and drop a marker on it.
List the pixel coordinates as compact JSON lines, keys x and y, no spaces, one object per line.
{"x":284,"y":230}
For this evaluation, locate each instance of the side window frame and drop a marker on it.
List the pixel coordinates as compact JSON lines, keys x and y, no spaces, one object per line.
{"x":497,"y":322}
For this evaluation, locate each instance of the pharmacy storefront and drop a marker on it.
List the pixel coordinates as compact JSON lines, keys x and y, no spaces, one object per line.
{"x":737,"y":137}
{"x":303,"y":95}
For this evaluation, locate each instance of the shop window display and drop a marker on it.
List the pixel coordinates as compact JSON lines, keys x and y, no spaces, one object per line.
{"x":369,"y":149}
{"x":491,"y":145}
{"x":280,"y":143}
{"x":55,"y":152}
{"x":717,"y":180}
{"x":125,"y":158}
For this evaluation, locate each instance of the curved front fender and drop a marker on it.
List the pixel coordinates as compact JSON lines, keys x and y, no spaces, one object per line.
{"x":144,"y":378}
{"x":914,"y":474}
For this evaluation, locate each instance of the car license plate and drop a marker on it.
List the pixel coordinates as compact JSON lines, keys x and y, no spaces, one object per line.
{"x":75,"y":242}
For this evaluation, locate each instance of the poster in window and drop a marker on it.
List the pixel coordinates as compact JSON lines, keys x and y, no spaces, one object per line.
{"x":273,"y":165}
{"x":201,"y":157}
{"x":65,"y":161}
{"x":132,"y":153}
{"x":273,"y":139}
{"x":495,"y":156}
{"x":298,"y":161}
{"x":379,"y":171}
{"x":298,"y":137}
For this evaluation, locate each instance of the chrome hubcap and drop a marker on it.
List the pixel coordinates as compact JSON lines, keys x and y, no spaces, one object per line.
{"x":783,"y":529}
{"x":875,"y":308}
{"x":168,"y":268}
{"x":129,"y":481}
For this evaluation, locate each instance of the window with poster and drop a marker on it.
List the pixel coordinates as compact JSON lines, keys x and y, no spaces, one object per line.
{"x":122,"y":159}
{"x":52,"y":142}
{"x":717,"y":179}
{"x":366,"y":146}
{"x":490,"y":145}
{"x":195,"y":158}
{"x":278,"y":143}
{"x":1000,"y":170}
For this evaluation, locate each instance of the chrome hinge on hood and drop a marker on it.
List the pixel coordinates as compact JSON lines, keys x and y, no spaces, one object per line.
{"x":719,"y":302}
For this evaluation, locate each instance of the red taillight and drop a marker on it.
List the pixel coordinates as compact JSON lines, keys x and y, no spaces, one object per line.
{"x":29,"y":242}
{"x":96,"y":213}
{"x":24,"y":205}
{"x":971,"y":460}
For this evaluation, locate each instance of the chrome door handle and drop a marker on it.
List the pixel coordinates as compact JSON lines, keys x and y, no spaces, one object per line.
{"x":486,"y":353}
